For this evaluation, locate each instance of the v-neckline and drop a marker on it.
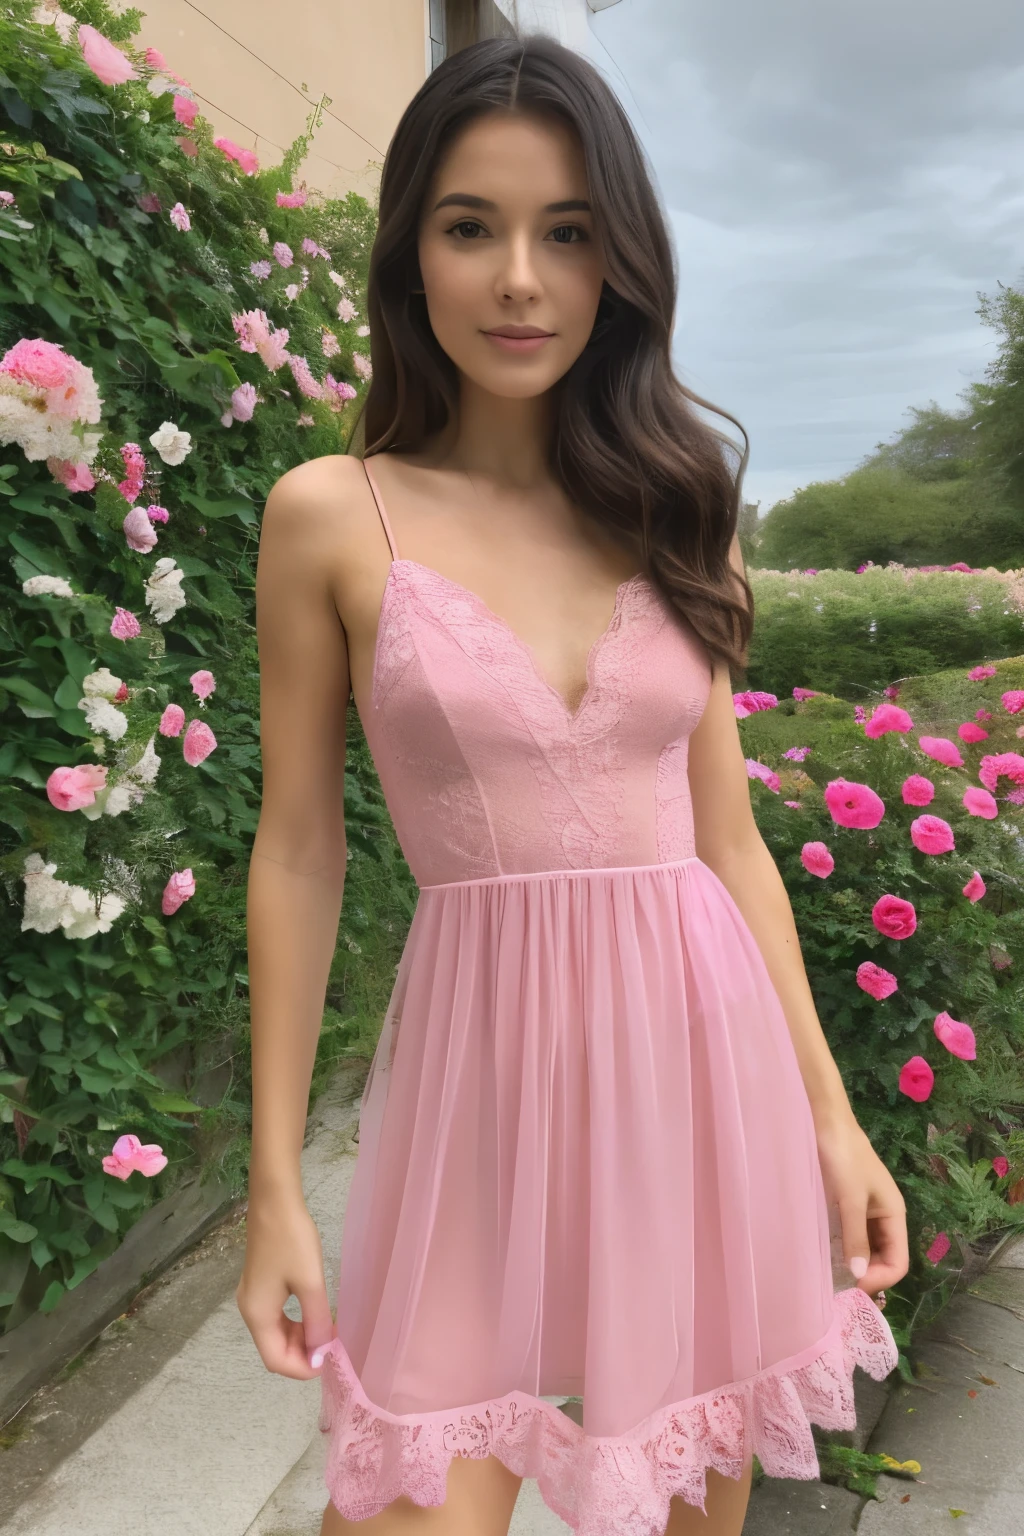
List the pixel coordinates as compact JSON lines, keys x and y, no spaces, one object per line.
{"x":571,"y":715}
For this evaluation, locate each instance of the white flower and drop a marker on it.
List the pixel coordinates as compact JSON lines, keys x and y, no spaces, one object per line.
{"x":181,"y":221}
{"x":143,"y":117}
{"x":159,"y":85}
{"x":81,"y":919}
{"x":163,"y":590}
{"x":103,"y":716}
{"x":336,"y":277}
{"x":364,"y":330}
{"x":292,"y":291}
{"x":50,"y":14}
{"x":101,"y":684}
{"x":170,"y":444}
{"x":264,"y":237}
{"x":51,"y":904}
{"x":46,"y":586}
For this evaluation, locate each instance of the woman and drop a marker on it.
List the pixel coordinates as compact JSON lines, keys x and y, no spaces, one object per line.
{"x":602,"y":1127}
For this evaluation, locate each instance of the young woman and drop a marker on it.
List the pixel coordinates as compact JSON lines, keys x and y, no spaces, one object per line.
{"x":602,"y":1129}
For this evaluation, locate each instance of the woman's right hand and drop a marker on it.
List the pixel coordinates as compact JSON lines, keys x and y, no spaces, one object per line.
{"x":284,"y":1257}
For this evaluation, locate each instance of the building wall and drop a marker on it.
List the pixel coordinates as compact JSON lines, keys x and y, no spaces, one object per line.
{"x":258,"y":68}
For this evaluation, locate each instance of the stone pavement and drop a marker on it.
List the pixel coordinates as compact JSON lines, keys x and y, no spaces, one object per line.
{"x":169,"y":1425}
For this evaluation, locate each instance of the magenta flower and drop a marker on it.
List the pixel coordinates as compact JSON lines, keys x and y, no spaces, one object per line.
{"x":942,"y":750}
{"x":124,"y":625}
{"x":956,"y":1037}
{"x":135,"y":471}
{"x":939,"y":1248}
{"x":291,"y":199}
{"x":853,"y":805}
{"x":181,"y":887}
{"x":158,"y":514}
{"x":916,"y":1079}
{"x":69,"y":789}
{"x":978,"y":674}
{"x":983,"y":714}
{"x":130,"y":1156}
{"x":337,"y":392}
{"x":1013,"y":701}
{"x":743,"y":703}
{"x":1000,"y":1167}
{"x":930,"y":834}
{"x":887,"y":717}
{"x":817,"y":860}
{"x":894,"y":917}
{"x":107,"y":63}
{"x":172,"y":720}
{"x":199,"y":741}
{"x":185,"y":110}
{"x":980,"y":803}
{"x":794,"y":804}
{"x":859,"y":715}
{"x":975,"y":888}
{"x":768,"y":776}
{"x":179,"y":218}
{"x":876,"y":980}
{"x":970,"y":732}
{"x":893,"y":691}
{"x":282,"y":253}
{"x":999,"y":765}
{"x":917,"y":790}
{"x":203,"y":684}
{"x":796,"y":754}
{"x":805,"y":693}
{"x":245,"y":159}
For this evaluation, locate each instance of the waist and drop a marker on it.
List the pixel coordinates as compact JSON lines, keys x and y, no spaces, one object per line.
{"x":564,"y":874}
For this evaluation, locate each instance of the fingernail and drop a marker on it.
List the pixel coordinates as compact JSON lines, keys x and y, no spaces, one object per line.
{"x":316,"y":1359}
{"x":859,"y":1266}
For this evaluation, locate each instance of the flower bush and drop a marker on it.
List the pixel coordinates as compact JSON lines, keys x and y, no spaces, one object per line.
{"x":912,"y":930}
{"x":852,"y":632}
{"x":158,"y":372}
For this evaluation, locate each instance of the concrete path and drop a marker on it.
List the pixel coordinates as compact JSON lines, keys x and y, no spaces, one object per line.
{"x":169,"y":1425}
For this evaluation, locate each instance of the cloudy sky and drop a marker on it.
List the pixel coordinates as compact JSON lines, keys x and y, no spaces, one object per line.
{"x":842,"y":181}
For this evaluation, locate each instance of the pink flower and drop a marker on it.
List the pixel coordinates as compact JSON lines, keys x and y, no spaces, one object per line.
{"x":157,"y":514}
{"x":970,"y":732}
{"x":75,"y":477}
{"x":260,"y":269}
{"x":139,"y":531}
{"x":181,"y":887}
{"x":305,"y":420}
{"x":978,"y":674}
{"x":858,"y":714}
{"x":999,"y":765}
{"x":983,"y":714}
{"x":874,"y":979}
{"x":304,"y":379}
{"x":337,"y":392}
{"x":283,"y":254}
{"x":155,"y":59}
{"x":939,"y":1248}
{"x":185,"y":110}
{"x":243,"y":402}
{"x":1000,"y":1167}
{"x":930,"y":834}
{"x":330,"y":344}
{"x":743,"y":703}
{"x":172,"y":720}
{"x":150,"y":203}
{"x":893,"y":691}
{"x":1013,"y":701}
{"x":42,"y":364}
{"x":794,"y":804}
{"x":107,"y":63}
{"x":203,"y":684}
{"x":188,"y":147}
{"x":362,"y":365}
{"x":894,"y":917}
{"x":887,"y":717}
{"x":124,"y":625}
{"x":346,"y":310}
{"x":796,"y":754}
{"x":956,"y":1037}
{"x":916,"y":1079}
{"x":179,"y":218}
{"x":853,"y":805}
{"x":291,"y":200}
{"x":135,"y":467}
{"x":130,"y":1156}
{"x":975,"y":888}
{"x":917,"y":790}
{"x":69,"y":789}
{"x":942,"y":750}
{"x":254,"y":335}
{"x":817,"y":860}
{"x":310,"y":248}
{"x":199,"y":741}
{"x":980,"y":803}
{"x":767,"y":776}
{"x":245,"y":159}
{"x":805,"y":693}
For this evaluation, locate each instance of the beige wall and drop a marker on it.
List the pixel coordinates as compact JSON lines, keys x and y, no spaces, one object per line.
{"x":368,"y":56}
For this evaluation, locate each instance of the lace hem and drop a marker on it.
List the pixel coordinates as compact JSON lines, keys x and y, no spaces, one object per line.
{"x":606,"y":1486}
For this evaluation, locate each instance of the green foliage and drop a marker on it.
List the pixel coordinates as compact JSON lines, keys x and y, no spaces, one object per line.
{"x":142,"y":1027}
{"x":854,"y":634}
{"x":965,"y":958}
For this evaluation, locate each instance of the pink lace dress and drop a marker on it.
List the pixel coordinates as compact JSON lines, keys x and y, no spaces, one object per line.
{"x":587,"y":1165}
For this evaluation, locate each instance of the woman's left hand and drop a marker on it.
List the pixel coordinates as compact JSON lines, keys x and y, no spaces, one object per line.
{"x":871,"y":1208}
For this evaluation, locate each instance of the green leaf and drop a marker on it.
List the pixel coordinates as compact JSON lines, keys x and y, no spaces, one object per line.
{"x":172,"y":1104}
{"x":17,"y":1231}
{"x":53,"y":1293}
{"x":17,"y":109}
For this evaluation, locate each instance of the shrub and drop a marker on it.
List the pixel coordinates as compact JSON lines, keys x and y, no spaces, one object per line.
{"x":853,"y":633}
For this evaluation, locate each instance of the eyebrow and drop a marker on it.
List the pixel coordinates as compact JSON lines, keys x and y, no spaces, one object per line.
{"x":470,"y":200}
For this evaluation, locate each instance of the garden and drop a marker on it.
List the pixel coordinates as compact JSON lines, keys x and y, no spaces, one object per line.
{"x":178,"y":327}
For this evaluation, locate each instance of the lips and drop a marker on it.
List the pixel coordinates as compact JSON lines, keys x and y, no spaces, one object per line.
{"x":518,"y":332}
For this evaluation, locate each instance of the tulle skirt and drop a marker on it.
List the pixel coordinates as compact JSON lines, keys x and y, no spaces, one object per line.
{"x":587,"y":1168}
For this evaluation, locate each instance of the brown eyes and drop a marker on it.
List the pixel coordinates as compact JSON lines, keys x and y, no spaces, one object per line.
{"x":571,"y":233}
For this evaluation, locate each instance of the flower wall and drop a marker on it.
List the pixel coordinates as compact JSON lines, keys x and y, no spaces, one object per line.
{"x":178,"y":327}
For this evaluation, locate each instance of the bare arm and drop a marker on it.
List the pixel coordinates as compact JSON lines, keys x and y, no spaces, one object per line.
{"x":296,"y":882}
{"x":727,"y":839}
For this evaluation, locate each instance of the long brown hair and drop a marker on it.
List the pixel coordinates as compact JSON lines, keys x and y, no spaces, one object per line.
{"x":628,"y":446}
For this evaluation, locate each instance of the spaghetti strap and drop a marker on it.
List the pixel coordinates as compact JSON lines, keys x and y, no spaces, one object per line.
{"x":380,"y":508}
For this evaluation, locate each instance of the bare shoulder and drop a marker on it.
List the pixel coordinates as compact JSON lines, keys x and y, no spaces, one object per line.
{"x":319,"y":493}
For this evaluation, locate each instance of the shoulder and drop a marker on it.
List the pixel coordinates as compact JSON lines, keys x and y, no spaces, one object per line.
{"x":320,"y":489}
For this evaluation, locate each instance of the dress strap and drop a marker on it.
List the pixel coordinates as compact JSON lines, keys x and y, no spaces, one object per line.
{"x":380,"y":508}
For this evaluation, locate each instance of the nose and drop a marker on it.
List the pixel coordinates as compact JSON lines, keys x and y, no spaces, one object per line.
{"x":517,"y":278}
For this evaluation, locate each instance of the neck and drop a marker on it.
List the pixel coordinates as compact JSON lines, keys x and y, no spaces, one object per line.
{"x":500,"y":439}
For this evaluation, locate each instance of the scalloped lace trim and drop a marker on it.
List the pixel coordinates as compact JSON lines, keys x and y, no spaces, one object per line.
{"x":612,"y":1486}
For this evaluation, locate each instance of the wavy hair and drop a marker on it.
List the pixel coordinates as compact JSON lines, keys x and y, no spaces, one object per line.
{"x":628,"y":447}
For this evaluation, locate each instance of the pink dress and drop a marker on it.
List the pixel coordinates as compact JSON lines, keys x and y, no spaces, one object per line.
{"x":587,"y":1165}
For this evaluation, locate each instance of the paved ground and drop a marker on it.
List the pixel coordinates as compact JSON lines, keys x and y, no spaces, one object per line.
{"x":169,"y":1425}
